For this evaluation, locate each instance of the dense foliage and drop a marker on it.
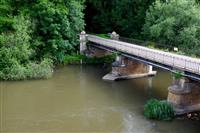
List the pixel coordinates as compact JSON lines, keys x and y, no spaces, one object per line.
{"x":123,"y":16}
{"x":77,"y":58}
{"x":175,"y":23}
{"x":168,"y":23}
{"x":15,"y":54}
{"x":57,"y":24}
{"x":159,"y":110}
{"x":5,"y":18}
{"x":35,"y":33}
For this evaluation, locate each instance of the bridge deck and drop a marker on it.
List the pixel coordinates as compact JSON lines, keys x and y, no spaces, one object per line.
{"x":184,"y":63}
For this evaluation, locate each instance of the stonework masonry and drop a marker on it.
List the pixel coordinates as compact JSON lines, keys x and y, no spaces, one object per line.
{"x":184,"y":95}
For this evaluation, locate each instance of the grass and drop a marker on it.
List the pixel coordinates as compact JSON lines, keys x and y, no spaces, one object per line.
{"x":177,"y":74}
{"x":106,"y":36}
{"x":159,"y":110}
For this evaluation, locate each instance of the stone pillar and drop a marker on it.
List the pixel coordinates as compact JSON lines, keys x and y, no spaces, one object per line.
{"x":114,"y":36}
{"x":150,"y":68}
{"x":123,"y":68}
{"x":184,"y":95}
{"x":119,"y":62}
{"x":83,"y":41}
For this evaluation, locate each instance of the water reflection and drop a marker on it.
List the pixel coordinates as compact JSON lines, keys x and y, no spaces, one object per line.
{"x":76,"y":99}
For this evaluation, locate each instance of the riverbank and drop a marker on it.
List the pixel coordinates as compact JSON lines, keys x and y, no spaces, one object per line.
{"x":191,"y":116}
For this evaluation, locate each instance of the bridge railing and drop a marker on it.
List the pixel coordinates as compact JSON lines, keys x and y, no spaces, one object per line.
{"x":177,"y":61}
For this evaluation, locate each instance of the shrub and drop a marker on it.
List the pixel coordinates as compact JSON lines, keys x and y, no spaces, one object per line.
{"x":72,"y":59}
{"x":43,"y":70}
{"x":31,"y":70}
{"x":76,"y":58}
{"x":15,"y":54}
{"x":160,"y":110}
{"x":177,"y":74}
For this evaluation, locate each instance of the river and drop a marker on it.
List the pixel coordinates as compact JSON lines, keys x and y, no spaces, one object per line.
{"x":77,"y":100}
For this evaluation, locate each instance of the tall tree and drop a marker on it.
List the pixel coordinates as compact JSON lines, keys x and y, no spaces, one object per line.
{"x":175,"y":23}
{"x":124,"y":16}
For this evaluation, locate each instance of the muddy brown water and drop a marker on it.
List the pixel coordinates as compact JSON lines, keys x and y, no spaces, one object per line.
{"x":77,"y":100}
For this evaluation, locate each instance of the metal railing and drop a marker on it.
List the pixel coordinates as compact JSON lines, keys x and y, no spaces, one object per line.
{"x":181,"y":62}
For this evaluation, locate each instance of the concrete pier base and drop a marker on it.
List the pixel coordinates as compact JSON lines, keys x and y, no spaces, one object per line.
{"x":184,"y":95}
{"x":114,"y":77}
{"x":124,"y":68}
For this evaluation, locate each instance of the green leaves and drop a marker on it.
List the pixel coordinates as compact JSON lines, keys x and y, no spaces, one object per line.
{"x":123,"y":16}
{"x":58,"y":23}
{"x":175,"y":23}
{"x":77,"y":58}
{"x":35,"y":30}
{"x":6,"y":21}
{"x":159,"y":110}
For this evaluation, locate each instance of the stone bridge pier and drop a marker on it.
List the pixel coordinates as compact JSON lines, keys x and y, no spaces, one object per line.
{"x":124,"y":68}
{"x":184,"y":95}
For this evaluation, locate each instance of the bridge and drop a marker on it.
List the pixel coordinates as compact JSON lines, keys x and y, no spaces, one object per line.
{"x":136,"y":61}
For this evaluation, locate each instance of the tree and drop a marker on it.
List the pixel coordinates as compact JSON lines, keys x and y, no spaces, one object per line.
{"x":124,"y":16}
{"x":57,"y":25}
{"x":174,"y":23}
{"x":6,"y":20}
{"x":35,"y":32}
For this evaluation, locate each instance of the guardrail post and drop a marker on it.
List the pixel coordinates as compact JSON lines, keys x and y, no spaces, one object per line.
{"x":83,"y":41}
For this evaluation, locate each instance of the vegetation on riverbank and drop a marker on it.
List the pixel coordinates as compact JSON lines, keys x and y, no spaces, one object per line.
{"x":77,"y":59}
{"x":34,"y":35}
{"x":159,"y":110}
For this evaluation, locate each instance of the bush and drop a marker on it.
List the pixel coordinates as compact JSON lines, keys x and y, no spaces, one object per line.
{"x":43,"y":70}
{"x":160,"y":110}
{"x":175,"y":23}
{"x":15,"y":54}
{"x":178,"y":74}
{"x":75,"y":59}
{"x":31,"y":70}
